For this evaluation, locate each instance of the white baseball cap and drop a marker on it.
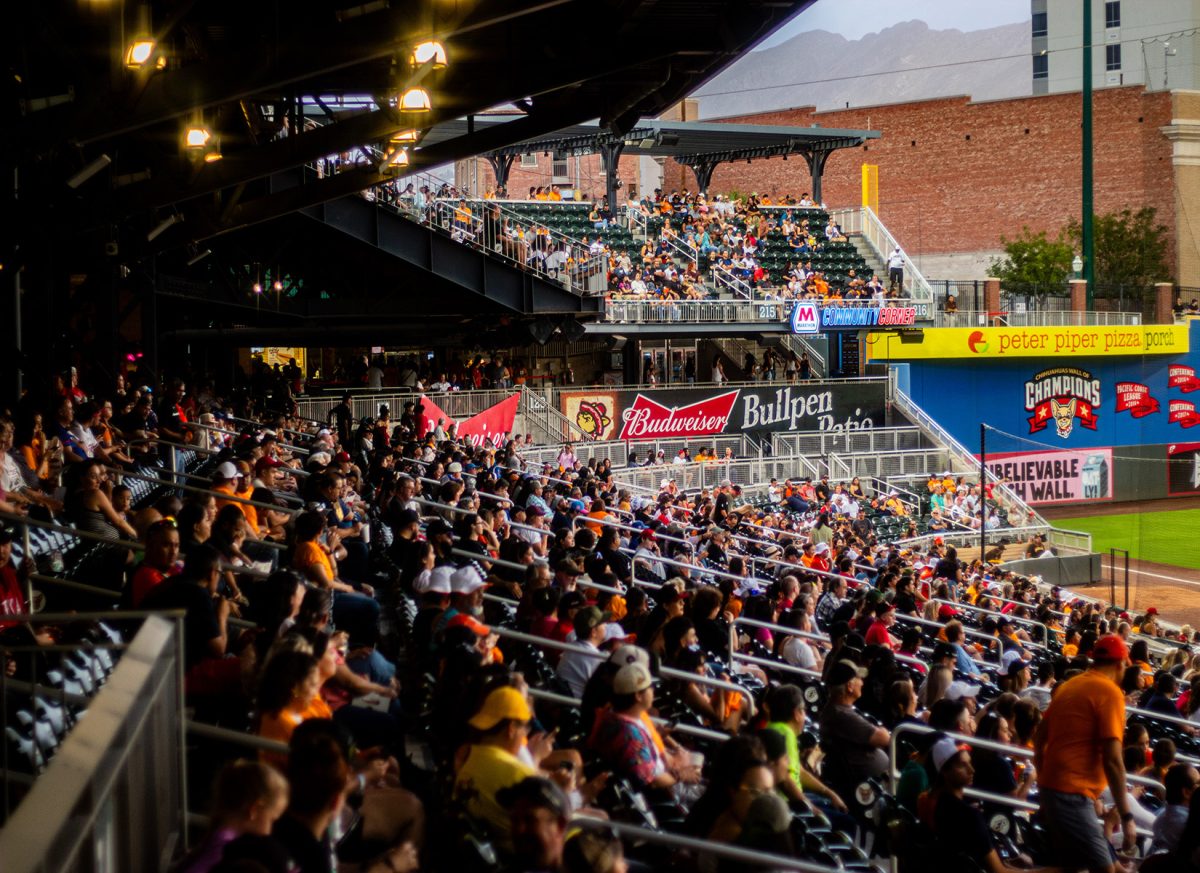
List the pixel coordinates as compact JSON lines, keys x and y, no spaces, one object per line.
{"x":435,"y":581}
{"x":960,"y":690}
{"x":944,"y":750}
{"x":227,"y":470}
{"x":466,"y":580}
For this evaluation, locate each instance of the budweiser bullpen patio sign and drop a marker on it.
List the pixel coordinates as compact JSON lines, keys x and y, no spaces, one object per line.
{"x":695,"y":412}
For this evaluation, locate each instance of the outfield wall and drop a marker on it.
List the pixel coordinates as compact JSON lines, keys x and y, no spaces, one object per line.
{"x":1075,"y":415}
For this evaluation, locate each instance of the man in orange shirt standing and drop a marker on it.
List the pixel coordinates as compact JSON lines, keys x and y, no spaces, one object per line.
{"x":1077,"y":752}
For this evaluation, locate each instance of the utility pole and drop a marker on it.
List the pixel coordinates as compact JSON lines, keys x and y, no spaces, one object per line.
{"x":983,"y":493}
{"x":1088,"y":241}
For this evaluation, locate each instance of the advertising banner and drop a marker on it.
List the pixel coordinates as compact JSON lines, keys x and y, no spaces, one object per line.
{"x":493,"y":425}
{"x":1032,"y":342}
{"x":596,"y":413}
{"x":1064,"y":476}
{"x":693,"y":412}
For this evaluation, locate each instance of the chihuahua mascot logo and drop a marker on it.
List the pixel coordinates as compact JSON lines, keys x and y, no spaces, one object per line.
{"x":1062,"y":395}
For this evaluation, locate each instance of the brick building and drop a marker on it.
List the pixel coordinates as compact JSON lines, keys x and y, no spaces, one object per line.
{"x":956,"y":175}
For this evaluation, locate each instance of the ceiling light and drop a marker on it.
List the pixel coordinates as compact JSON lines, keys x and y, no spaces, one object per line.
{"x":408,"y":135}
{"x":278,"y":286}
{"x":139,"y":52}
{"x":197,"y":136}
{"x":415,"y":100}
{"x":257,"y":287}
{"x":90,"y":170}
{"x":430,"y":50}
{"x":141,"y":47}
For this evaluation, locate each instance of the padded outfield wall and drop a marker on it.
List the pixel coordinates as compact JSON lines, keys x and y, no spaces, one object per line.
{"x":1075,"y":414}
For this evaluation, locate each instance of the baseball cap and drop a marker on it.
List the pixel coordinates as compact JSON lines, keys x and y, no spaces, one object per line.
{"x":455,"y":467}
{"x":944,"y":650}
{"x":946,"y":612}
{"x":437,"y":526}
{"x":226,"y":470}
{"x":959,"y":690}
{"x":435,"y":581}
{"x":342,"y":457}
{"x":405,"y":517}
{"x":1015,"y":666}
{"x":265,"y":462}
{"x":1110,"y":647}
{"x":589,"y":618}
{"x":466,"y":580}
{"x":538,"y":792}
{"x":1006,"y":660}
{"x":624,"y":655}
{"x":501,"y":704}
{"x":844,"y":671}
{"x":572,"y":600}
{"x":631,"y":679}
{"x":821,"y":548}
{"x":944,"y":751}
{"x":6,"y":536}
{"x":1153,"y":610}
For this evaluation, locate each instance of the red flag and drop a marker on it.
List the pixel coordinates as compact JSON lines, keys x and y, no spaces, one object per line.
{"x":1183,"y":378}
{"x":429,"y":418}
{"x":1134,"y":397}
{"x":493,"y":425}
{"x":1183,"y":412}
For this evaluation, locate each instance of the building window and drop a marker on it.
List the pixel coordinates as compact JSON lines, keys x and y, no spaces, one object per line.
{"x":561,"y":171}
{"x":1112,"y":13}
{"x":1112,"y":57}
{"x":1041,"y":66}
{"x":529,"y":161}
{"x":1039,"y":24}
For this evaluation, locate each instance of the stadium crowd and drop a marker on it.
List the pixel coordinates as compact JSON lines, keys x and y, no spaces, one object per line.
{"x":474,"y":662}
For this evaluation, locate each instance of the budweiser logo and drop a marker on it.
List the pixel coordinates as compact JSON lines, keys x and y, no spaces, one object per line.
{"x":646,"y":418}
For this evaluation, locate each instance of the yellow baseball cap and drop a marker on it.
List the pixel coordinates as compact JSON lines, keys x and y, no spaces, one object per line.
{"x":500,"y":704}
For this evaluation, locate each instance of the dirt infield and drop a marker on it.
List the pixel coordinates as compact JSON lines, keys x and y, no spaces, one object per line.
{"x":1174,"y":591}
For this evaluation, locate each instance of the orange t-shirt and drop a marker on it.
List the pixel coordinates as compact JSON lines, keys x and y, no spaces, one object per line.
{"x":1085,"y":711}
{"x":251,"y":512}
{"x":310,"y":553}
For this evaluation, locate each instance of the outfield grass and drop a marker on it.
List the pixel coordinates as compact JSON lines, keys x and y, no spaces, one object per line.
{"x":1164,"y":537}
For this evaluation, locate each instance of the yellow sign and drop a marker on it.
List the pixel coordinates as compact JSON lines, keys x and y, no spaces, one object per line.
{"x":1029,"y":342}
{"x":273,"y":355}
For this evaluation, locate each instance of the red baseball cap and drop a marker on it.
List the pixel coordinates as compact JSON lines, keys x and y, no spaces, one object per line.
{"x":1110,"y":647}
{"x":342,"y":457}
{"x":266,"y":461}
{"x":946,"y":611}
{"x":1153,"y":610}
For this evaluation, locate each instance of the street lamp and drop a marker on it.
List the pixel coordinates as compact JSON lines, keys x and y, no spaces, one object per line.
{"x":1077,"y":266}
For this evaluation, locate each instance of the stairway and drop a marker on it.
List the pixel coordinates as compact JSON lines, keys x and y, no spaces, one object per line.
{"x":874,"y":262}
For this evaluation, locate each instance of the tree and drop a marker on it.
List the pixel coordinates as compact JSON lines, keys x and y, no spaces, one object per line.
{"x":1033,"y":263}
{"x":1131,"y":249}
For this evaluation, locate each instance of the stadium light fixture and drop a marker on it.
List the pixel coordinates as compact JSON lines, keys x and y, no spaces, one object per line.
{"x":430,"y":51}
{"x":141,"y":47}
{"x":197,"y":137}
{"x":409,"y":135}
{"x":415,"y":100}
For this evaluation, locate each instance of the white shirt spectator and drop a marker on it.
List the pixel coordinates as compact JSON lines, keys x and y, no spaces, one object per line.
{"x":576,"y":668}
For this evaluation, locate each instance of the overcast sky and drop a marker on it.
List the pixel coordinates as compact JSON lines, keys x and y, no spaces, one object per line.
{"x":856,"y":18}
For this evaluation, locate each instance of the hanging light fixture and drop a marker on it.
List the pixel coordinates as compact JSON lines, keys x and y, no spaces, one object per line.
{"x":141,"y":47}
{"x":409,"y":135}
{"x":196,"y":137}
{"x":415,"y":100}
{"x":430,"y":50}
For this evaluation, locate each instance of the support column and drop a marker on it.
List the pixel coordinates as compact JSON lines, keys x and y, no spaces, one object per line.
{"x":1079,"y":296}
{"x":991,"y":296}
{"x":703,"y":171}
{"x":611,"y":154}
{"x":816,"y":167}
{"x":501,"y":166}
{"x":1164,"y":303}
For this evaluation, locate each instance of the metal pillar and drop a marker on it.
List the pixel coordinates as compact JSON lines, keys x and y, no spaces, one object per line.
{"x":816,"y":167}
{"x":1088,"y":241}
{"x":610,"y":153}
{"x":501,"y":166}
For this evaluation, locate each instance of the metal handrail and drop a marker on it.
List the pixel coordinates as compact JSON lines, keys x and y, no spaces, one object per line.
{"x":219,"y":495}
{"x":1037,"y":624}
{"x":215,"y":429}
{"x":881,"y":240}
